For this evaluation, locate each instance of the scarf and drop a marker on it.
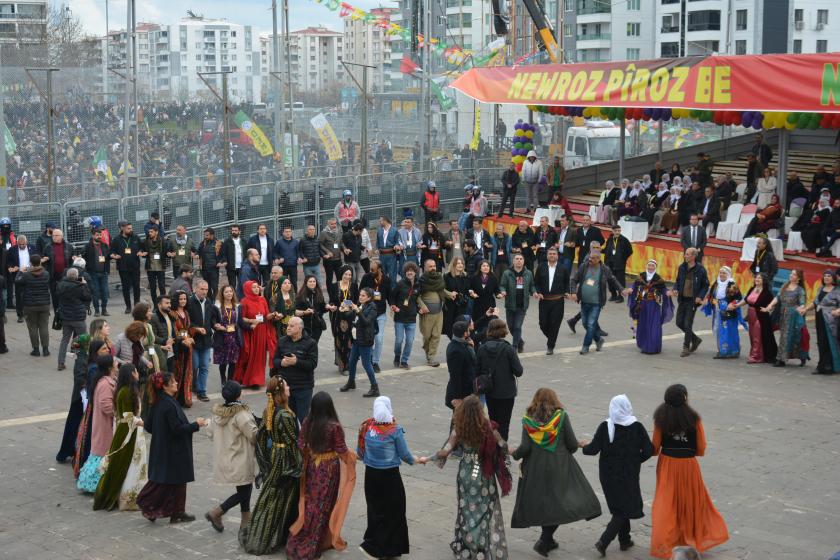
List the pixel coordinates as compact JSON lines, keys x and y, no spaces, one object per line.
{"x":492,"y":458}
{"x":252,"y":304}
{"x":432,"y":282}
{"x":721,"y":288}
{"x":650,"y":275}
{"x":621,"y":413}
{"x":545,"y":435}
{"x":180,"y":240}
{"x":381,"y":424}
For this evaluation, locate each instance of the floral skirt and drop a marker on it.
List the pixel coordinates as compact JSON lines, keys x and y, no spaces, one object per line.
{"x":90,"y":474}
{"x":479,"y":525}
{"x":321,"y":487}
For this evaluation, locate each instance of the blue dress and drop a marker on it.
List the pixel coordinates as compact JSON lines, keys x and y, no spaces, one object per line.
{"x":725,"y":323}
{"x":650,"y":308}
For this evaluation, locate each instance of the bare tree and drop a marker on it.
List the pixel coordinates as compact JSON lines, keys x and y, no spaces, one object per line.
{"x":67,"y":42}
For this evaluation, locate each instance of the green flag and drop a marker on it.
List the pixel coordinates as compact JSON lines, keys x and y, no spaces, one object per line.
{"x":100,"y":160}
{"x":8,"y":140}
{"x":444,"y":101}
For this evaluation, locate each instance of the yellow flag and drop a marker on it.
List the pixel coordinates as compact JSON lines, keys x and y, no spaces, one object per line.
{"x":255,"y":133}
{"x":476,"y":130}
{"x":327,"y":136}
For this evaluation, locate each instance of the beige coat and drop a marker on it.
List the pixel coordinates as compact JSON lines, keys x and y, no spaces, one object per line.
{"x":233,"y":432}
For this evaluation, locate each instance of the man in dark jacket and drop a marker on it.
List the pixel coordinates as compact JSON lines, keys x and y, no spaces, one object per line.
{"x":552,"y":287}
{"x":694,"y":235}
{"x":234,"y":251}
{"x":287,"y":255}
{"x":510,"y":182}
{"x":296,"y":358}
{"x":545,"y":237}
{"x":125,"y":249}
{"x":310,"y":253}
{"x":57,"y":258}
{"x":522,"y":241}
{"x":44,"y":238}
{"x":404,"y":306}
{"x":201,"y":310}
{"x":586,"y":234}
{"x":617,"y":250}
{"x":154,"y":223}
{"x":17,"y":260}
{"x":709,"y":212}
{"x":762,"y":151}
{"x":589,"y":286}
{"x":351,"y":246}
{"x":73,"y":295}
{"x":264,"y":245}
{"x":691,"y":287}
{"x":97,"y":256}
{"x":164,"y":328}
{"x":34,"y":286}
{"x":211,"y":259}
{"x":460,"y":361}
{"x":379,"y":282}
{"x":3,"y":348}
{"x":250,"y":271}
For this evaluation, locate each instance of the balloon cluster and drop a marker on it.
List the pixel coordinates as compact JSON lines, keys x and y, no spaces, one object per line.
{"x":523,"y":142}
{"x":747,"y":119}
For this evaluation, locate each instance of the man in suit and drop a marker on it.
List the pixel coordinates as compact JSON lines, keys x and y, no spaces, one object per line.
{"x":17,"y":260}
{"x":482,"y":239}
{"x":566,"y":242}
{"x":234,"y":250}
{"x":694,"y":235}
{"x":264,"y":245}
{"x":709,"y":212}
{"x":586,"y":234}
{"x":616,"y":252}
{"x":387,"y":237}
{"x":545,"y":237}
{"x":552,"y":286}
{"x":201,"y":311}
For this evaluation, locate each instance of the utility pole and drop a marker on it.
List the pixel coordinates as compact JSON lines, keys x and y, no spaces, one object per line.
{"x":364,"y":87}
{"x":290,"y":116}
{"x":137,"y":164}
{"x":225,"y":116}
{"x":127,"y":112}
{"x":427,"y":73}
{"x":279,"y":138}
{"x":48,"y":98}
{"x":3,"y":147}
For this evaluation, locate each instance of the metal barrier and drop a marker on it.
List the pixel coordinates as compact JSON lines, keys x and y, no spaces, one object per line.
{"x":137,"y":209}
{"x":257,"y":204}
{"x":29,"y":217}
{"x":73,"y":214}
{"x":182,"y":208}
{"x":218,"y":207}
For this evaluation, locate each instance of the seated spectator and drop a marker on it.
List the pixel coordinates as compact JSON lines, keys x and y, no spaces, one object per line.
{"x":766,"y":219}
{"x":710,"y":209}
{"x":559,"y":201}
{"x":765,"y":188}
{"x":831,"y":232}
{"x":671,"y":210}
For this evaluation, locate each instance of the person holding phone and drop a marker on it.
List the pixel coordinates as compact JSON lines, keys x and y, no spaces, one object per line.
{"x":343,"y":294}
{"x":366,"y":327}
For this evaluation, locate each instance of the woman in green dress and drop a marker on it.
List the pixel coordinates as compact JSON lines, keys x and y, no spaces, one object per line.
{"x":479,"y":524}
{"x":279,"y":460}
{"x":794,"y":340}
{"x":124,"y":466}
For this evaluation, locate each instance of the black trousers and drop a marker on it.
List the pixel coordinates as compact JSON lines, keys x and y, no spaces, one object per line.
{"x":10,"y":289}
{"x":71,"y":428}
{"x":130,"y":280}
{"x":233,"y":277}
{"x":547,"y":534}
{"x":157,"y":284}
{"x":507,"y":195}
{"x":292,"y":274}
{"x":620,"y":275}
{"x":551,"y":317}
{"x":500,"y":411}
{"x":211,"y":276}
{"x":53,"y":296}
{"x":686,"y":309}
{"x":242,"y":498}
{"x":226,"y":372}
{"x":331,"y":270}
{"x":618,"y":525}
{"x":19,"y":300}
{"x":265,"y":273}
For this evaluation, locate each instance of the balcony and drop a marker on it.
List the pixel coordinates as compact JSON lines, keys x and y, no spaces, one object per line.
{"x":706,"y":26}
{"x":669,"y":29}
{"x":594,"y":8}
{"x":594,"y":37}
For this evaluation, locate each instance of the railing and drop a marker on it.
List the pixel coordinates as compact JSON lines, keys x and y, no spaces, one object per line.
{"x":598,"y":8}
{"x":594,"y":37}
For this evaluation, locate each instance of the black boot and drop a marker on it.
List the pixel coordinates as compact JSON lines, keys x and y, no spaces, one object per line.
{"x":374,"y":391}
{"x":349,"y":386}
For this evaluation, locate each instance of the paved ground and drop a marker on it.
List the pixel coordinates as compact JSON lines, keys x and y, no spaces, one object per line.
{"x":771,"y":464}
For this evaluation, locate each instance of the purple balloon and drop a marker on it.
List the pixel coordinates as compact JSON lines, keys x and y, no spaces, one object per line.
{"x":648,"y":113}
{"x":656,"y":114}
{"x":666,"y":115}
{"x":523,"y":152}
{"x":756,"y":124}
{"x":746,"y":119}
{"x":517,"y":126}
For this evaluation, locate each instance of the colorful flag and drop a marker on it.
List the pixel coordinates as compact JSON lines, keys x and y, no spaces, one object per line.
{"x":8,"y":140}
{"x":445,"y":102}
{"x":477,"y":131}
{"x":327,"y":136}
{"x":257,"y":136}
{"x":100,"y":161}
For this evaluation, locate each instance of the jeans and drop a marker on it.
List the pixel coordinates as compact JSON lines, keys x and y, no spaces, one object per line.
{"x":462,"y":221}
{"x":157,"y":284}
{"x":589,"y":313}
{"x":379,"y":339}
{"x":313,"y":270}
{"x":403,"y":331}
{"x":685,"y":320}
{"x":201,"y":368}
{"x":617,"y":526}
{"x":99,"y":290}
{"x":566,"y":263}
{"x":514,"y":320}
{"x":130,"y":280}
{"x":389,"y":266}
{"x":364,"y":353}
{"x":38,"y":324}
{"x":299,"y":401}
{"x":69,"y":330}
{"x":500,"y":411}
{"x":241,"y":498}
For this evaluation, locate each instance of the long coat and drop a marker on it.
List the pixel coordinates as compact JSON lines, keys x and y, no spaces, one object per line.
{"x":233,"y":431}
{"x":552,"y":489}
{"x":171,"y":453}
{"x":619,"y":466}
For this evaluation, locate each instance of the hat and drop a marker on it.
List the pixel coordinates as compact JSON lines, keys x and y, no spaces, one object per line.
{"x":123,"y":223}
{"x":532,"y":153}
{"x":468,"y":187}
{"x":231,"y":391}
{"x":476,"y":187}
{"x":51,"y":225}
{"x":460,"y":328}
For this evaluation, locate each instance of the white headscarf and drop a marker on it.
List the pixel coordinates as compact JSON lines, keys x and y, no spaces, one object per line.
{"x":382,"y":410}
{"x":621,"y":413}
{"x":720,"y":292}
{"x":649,"y":275}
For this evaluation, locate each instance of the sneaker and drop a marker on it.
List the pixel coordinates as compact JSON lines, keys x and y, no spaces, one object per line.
{"x":182,"y":517}
{"x":376,"y":368}
{"x":96,"y":314}
{"x":695,"y":344}
{"x":572,"y":325}
{"x":20,"y":319}
{"x":599,"y":344}
{"x":603,"y":333}
{"x":433,"y":363}
{"x":685,"y":352}
{"x":584,"y":350}
{"x":404,"y":365}
{"x":203,"y":398}
{"x":105,"y":313}
{"x":128,"y":312}
{"x":61,"y":367}
{"x":549,"y":352}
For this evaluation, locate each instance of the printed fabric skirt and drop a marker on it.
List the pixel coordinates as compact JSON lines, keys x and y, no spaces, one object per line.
{"x":479,"y":525}
{"x":387,"y":529}
{"x":322,"y":481}
{"x":162,"y":500}
{"x":90,"y":474}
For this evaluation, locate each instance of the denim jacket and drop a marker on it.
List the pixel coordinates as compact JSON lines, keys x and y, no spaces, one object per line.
{"x":385,"y":451}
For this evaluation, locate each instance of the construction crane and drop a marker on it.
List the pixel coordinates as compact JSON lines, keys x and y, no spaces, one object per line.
{"x":545,"y":36}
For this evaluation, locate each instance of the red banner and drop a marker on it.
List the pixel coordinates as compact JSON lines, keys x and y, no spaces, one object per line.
{"x":787,"y":82}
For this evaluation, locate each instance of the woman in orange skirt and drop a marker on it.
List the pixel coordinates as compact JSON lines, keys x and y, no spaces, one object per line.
{"x":683,"y":513}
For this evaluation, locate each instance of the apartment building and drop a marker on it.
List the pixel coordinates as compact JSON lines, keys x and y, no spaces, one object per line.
{"x":368,"y":44}
{"x":315,"y":54}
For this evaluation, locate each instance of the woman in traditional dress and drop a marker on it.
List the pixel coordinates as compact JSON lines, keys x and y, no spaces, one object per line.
{"x":794,"y":340}
{"x":382,"y":447}
{"x":552,"y":489}
{"x":479,"y":523}
{"x":170,"y":454}
{"x":329,"y":474}
{"x":152,"y":345}
{"x":431,"y":245}
{"x":182,"y":367}
{"x":763,"y":347}
{"x":284,"y":308}
{"x":120,"y":484}
{"x":226,"y":336}
{"x":483,"y":290}
{"x":81,"y":346}
{"x":129,"y":348}
{"x":102,"y":422}
{"x":233,"y":430}
{"x":766,"y":218}
{"x":624,"y":445}
{"x":683,"y":512}
{"x":310,"y":306}
{"x":826,"y":304}
{"x":256,"y":332}
{"x":671,"y":208}
{"x":280,"y":462}
{"x":650,"y":308}
{"x":722,"y":304}
{"x":342,"y":293}
{"x":98,"y":348}
{"x":455,"y":281}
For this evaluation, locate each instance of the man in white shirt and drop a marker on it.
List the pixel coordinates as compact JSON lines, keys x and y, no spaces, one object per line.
{"x":482,"y":239}
{"x":18,"y":261}
{"x":264,"y":245}
{"x":234,"y":254}
{"x":552,"y":286}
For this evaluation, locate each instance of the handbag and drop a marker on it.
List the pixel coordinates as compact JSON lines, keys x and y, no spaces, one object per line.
{"x":483,"y":383}
{"x":57,"y":324}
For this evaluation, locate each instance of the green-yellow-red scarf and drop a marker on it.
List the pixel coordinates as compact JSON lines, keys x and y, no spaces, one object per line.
{"x":545,"y":435}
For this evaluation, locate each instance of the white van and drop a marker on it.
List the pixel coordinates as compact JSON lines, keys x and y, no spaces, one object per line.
{"x":596,"y":142}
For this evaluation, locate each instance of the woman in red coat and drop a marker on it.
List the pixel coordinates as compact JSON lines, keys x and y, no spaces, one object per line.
{"x":256,"y":335}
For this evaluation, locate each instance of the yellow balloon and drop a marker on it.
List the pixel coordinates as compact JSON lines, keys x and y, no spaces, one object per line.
{"x":790,"y":126}
{"x":529,"y":134}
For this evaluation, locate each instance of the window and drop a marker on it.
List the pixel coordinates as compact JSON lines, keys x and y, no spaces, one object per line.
{"x":568,"y":5}
{"x":633,"y":54}
{"x":209,"y":34}
{"x":670,"y":23}
{"x":741,"y":20}
{"x":740,"y":46}
{"x":704,"y":20}
{"x":634,"y":29}
{"x":798,"y":15}
{"x":822,"y":17}
{"x":797,"y":46}
{"x":634,"y":5}
{"x":233,"y":33}
{"x":670,"y":50}
{"x":567,"y":30}
{"x":198,"y":57}
{"x":822,"y":46}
